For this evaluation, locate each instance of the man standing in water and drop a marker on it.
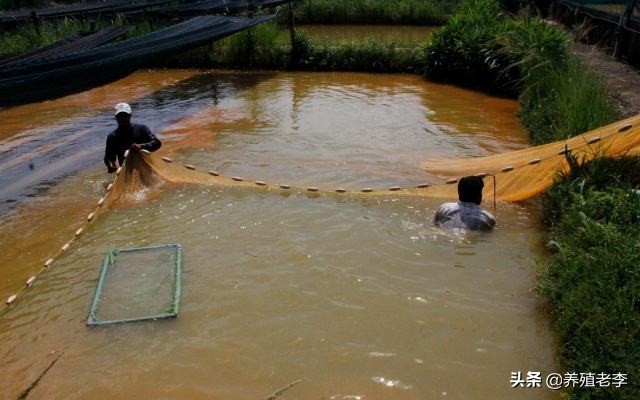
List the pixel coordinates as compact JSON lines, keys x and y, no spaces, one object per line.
{"x":466,"y":213}
{"x":127,"y":136}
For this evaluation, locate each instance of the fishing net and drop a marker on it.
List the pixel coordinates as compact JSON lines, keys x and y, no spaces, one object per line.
{"x":136,"y":285}
{"x":516,"y":176}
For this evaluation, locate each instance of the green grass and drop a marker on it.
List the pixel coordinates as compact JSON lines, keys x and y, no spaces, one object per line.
{"x":267,"y":47}
{"x":367,"y":55}
{"x":594,"y":279}
{"x":27,"y":37}
{"x":404,"y":12}
{"x":258,"y":47}
{"x":465,"y":51}
{"x":568,"y":100}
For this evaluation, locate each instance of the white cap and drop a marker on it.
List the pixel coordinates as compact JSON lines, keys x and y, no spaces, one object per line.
{"x":123,"y":107}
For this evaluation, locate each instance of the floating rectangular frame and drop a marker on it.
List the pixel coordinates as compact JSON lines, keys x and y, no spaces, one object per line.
{"x":109,"y":259}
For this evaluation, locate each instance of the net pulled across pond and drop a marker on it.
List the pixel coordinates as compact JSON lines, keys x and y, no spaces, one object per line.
{"x":138,"y":284}
{"x":513,"y":176}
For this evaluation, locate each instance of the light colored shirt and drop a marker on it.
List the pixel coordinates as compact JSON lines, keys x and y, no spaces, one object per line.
{"x":464,"y":215}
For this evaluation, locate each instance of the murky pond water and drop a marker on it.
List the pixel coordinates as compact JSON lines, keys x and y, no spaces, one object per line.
{"x":357,"y":298}
{"x":401,"y":35}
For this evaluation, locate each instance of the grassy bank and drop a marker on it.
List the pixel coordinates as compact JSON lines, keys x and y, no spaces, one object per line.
{"x":592,"y":213}
{"x":399,"y":12}
{"x":266,"y":47}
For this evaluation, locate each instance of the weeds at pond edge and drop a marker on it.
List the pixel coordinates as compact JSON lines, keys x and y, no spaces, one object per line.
{"x":593,"y":213}
{"x":265,"y":47}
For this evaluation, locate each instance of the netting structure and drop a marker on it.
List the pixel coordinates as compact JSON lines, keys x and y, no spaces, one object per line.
{"x":138,"y":284}
{"x":615,"y":8}
{"x":514,"y":176}
{"x":613,"y":23}
{"x":66,"y":73}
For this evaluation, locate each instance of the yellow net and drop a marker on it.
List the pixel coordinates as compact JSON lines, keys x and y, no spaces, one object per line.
{"x":518,"y":175}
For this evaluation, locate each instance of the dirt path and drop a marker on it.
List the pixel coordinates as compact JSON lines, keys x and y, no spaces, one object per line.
{"x":623,"y":80}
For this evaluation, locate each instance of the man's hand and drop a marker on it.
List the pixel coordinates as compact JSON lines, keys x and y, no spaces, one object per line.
{"x":135,"y":147}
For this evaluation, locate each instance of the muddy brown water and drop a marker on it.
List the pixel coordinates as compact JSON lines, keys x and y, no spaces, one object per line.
{"x":357,"y":298}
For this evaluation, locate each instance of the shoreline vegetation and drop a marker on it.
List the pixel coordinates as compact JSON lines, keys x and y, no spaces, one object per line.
{"x":592,"y":213}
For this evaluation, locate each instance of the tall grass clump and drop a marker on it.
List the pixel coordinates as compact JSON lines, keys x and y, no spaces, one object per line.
{"x":260,"y":46}
{"x":570,"y":99}
{"x":367,"y":55}
{"x":405,"y":12}
{"x":466,"y":52}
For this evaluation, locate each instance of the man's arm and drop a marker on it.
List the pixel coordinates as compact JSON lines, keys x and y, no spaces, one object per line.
{"x":151,"y":142}
{"x":488,"y":221}
{"x":110,"y":154}
{"x":441,"y":214}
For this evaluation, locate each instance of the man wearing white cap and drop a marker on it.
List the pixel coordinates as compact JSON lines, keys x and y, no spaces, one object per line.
{"x":127,"y":136}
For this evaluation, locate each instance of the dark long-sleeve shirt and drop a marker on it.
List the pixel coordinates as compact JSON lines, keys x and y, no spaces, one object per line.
{"x":122,"y":138}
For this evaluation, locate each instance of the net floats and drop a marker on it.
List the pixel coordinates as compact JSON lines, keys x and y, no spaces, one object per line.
{"x":366,"y":190}
{"x":65,"y":247}
{"x":625,"y":127}
{"x":507,"y":169}
{"x":285,"y":187}
{"x":452,"y":181}
{"x":167,"y":160}
{"x":191,"y":167}
{"x":126,"y":153}
{"x":214,"y":173}
{"x":422,"y":185}
{"x":48,"y":263}
{"x":79,"y":232}
{"x":261,"y":183}
{"x":11,"y":299}
{"x":118,"y":171}
{"x":481,"y":174}
{"x":30,"y":281}
{"x":145,"y":151}
{"x":101,"y":202}
{"x":535,"y":161}
{"x":395,"y":188}
{"x":341,"y":190}
{"x":593,"y":140}
{"x":564,"y":151}
{"x":312,"y":189}
{"x":237,"y":179}
{"x":109,"y":187}
{"x":90,"y":216}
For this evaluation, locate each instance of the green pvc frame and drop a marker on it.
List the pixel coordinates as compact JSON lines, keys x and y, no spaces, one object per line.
{"x":109,"y":259}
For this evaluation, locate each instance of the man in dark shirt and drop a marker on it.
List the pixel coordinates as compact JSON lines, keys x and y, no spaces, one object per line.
{"x":127,"y":136}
